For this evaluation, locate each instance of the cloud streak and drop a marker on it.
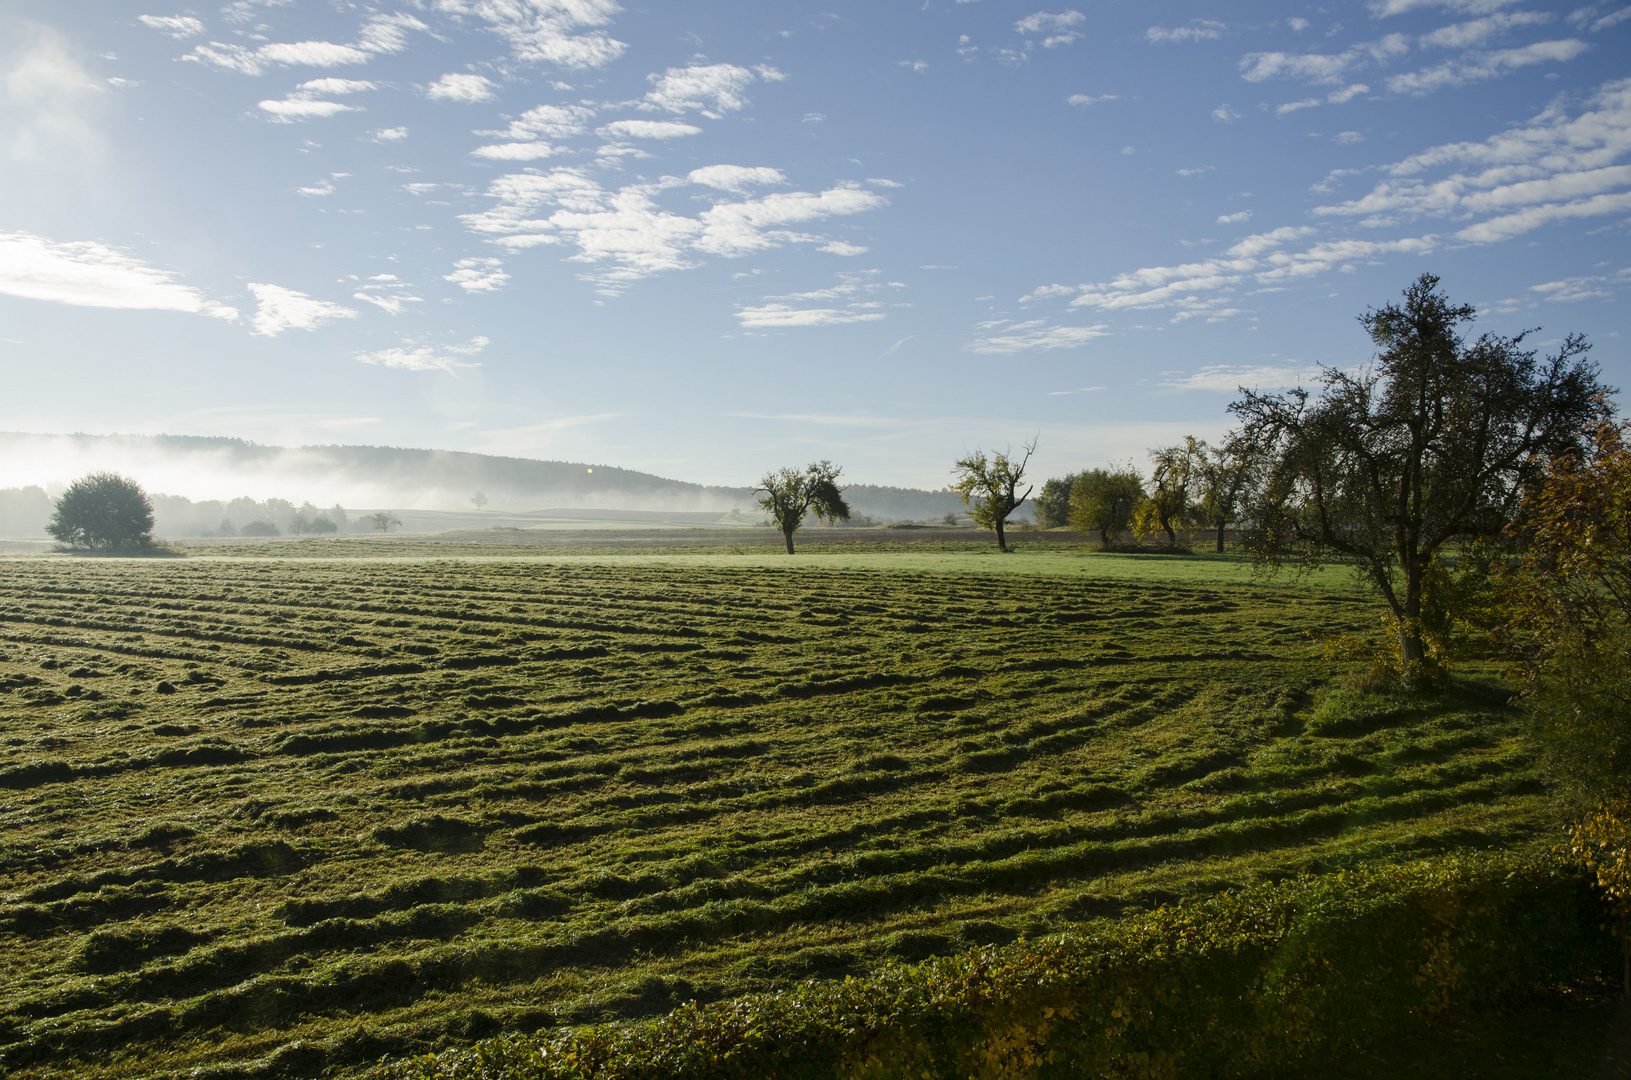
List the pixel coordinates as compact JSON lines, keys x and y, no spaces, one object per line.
{"x":86,"y":273}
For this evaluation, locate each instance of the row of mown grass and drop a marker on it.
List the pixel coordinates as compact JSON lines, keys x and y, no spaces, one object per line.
{"x":266,"y":818}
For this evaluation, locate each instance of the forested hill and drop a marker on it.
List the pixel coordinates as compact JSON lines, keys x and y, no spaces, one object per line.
{"x":397,"y":477}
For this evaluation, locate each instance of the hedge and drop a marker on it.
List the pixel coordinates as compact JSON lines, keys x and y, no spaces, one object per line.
{"x":1237,"y":984}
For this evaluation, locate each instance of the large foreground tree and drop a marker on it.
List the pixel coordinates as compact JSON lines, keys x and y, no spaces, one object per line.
{"x":103,"y":510}
{"x":790,"y":495}
{"x":1431,"y":444}
{"x":990,"y":487}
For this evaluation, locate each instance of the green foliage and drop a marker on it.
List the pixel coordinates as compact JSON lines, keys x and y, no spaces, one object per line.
{"x":990,"y":487}
{"x":1106,"y":500}
{"x":1262,"y":980}
{"x":1569,"y":605}
{"x":789,"y":496}
{"x":411,"y":802}
{"x":1053,"y":502}
{"x":384,"y":521}
{"x":103,"y":510}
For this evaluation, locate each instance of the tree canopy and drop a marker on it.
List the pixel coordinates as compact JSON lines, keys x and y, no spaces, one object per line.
{"x":103,"y":510}
{"x":1106,"y":499}
{"x":1569,"y":630}
{"x":990,"y":487}
{"x":789,"y":495}
{"x":1431,"y":443}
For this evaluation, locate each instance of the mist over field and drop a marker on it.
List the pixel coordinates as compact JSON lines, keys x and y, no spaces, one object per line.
{"x":197,"y":481}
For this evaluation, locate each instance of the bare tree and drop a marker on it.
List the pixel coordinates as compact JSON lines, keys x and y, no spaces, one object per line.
{"x":990,"y":488}
{"x":790,"y":495}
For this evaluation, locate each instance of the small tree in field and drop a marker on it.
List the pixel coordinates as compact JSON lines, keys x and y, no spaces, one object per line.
{"x":385,"y":520}
{"x":990,"y":487}
{"x":1177,"y":472}
{"x":1105,"y":499}
{"x":103,"y":510}
{"x":479,"y":500}
{"x":790,"y":495}
{"x":1225,"y":484}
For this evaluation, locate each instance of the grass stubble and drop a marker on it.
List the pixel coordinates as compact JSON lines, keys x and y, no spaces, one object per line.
{"x":281,"y":817}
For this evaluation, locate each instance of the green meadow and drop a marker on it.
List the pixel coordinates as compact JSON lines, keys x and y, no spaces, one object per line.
{"x":289,"y":809}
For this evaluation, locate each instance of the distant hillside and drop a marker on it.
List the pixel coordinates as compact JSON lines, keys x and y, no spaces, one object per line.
{"x":222,"y":471}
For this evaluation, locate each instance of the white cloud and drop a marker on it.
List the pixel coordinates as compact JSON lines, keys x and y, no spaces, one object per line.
{"x":1554,"y":168}
{"x":1084,"y":100}
{"x":1575,"y":289}
{"x":177,"y":26}
{"x":1223,"y":114}
{"x":1384,"y":8}
{"x":1298,"y":25}
{"x":89,"y":274}
{"x":1026,"y":336}
{"x":1197,"y":30}
{"x":737,"y":178}
{"x":1042,"y":22}
{"x":773,"y":316}
{"x":1322,"y":67}
{"x":254,"y":61}
{"x":1294,"y":106}
{"x":1347,"y":138}
{"x":855,"y":299}
{"x":647,"y":129}
{"x":1470,"y":35}
{"x":1235,"y":218}
{"x":626,"y":235}
{"x":461,"y":87}
{"x":396,"y":134}
{"x":281,"y":309}
{"x":388,"y":33}
{"x":390,"y":302}
{"x":1228,"y":378}
{"x":313,"y":87}
{"x":411,"y":356}
{"x":546,"y":31}
{"x":842,"y":247}
{"x":711,"y":89}
{"x":741,"y":227}
{"x":290,"y":110}
{"x":546,"y":121}
{"x":917,"y":67}
{"x":1507,"y":226}
{"x":527,"y":151}
{"x":1478,"y":67}
{"x":1199,"y":170}
{"x":322,"y":187}
{"x":1613,"y":18}
{"x":478,"y":275}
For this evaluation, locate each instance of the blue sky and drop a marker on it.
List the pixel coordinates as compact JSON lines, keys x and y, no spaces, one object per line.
{"x":707,"y":239}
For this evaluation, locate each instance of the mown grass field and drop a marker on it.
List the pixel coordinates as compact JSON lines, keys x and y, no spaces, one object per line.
{"x":278,"y":816}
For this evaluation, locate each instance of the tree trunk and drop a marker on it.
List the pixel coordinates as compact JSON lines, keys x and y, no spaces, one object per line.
{"x":787,"y":534}
{"x":1002,"y":543}
{"x":1172,"y":537}
{"x":1220,"y":535}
